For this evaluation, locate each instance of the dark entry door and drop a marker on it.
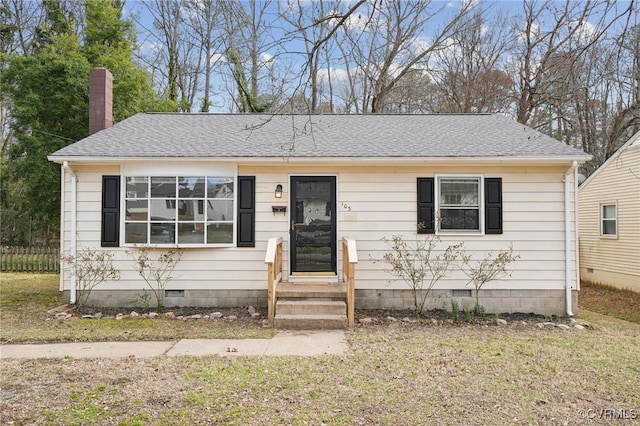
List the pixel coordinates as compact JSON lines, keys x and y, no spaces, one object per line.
{"x":313,"y":224}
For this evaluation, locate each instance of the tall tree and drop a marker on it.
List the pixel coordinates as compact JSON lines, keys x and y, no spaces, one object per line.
{"x":550,"y":29}
{"x":247,"y":27}
{"x":109,"y":42}
{"x":469,"y":78}
{"x":48,"y":92}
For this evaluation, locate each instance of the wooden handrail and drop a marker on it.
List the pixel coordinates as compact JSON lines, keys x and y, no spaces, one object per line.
{"x":273,"y":259}
{"x":349,"y":260}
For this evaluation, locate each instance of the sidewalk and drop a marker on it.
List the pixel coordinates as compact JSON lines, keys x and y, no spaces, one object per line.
{"x":297,"y":343}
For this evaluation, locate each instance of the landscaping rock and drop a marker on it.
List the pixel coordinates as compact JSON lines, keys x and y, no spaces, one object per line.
{"x":97,"y":315}
{"x":563,"y":326}
{"x":540,"y":325}
{"x":549,"y":324}
{"x":196,"y":316}
{"x":134,"y":314}
{"x":215,"y":315}
{"x":251,"y":310}
{"x":501,"y":321}
{"x":119,"y":317}
{"x":578,"y":326}
{"x":256,"y":315}
{"x":170,"y":315}
{"x":153,"y":315}
{"x":87,"y":317}
{"x":524,"y":323}
{"x":434,"y":321}
{"x":61,"y":316}
{"x":391,"y":319}
{"x":232,"y":317}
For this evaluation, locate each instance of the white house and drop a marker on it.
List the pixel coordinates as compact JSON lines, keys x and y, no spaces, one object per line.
{"x":308,"y":190}
{"x":609,"y":220}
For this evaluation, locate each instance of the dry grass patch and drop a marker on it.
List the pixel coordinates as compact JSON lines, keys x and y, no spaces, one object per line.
{"x":26,"y":298}
{"x":400,"y":374}
{"x":622,"y":304}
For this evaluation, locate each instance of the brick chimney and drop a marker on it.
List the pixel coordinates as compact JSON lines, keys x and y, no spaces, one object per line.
{"x":100,"y":100}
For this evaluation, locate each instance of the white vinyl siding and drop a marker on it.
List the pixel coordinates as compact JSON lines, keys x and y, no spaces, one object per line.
{"x":372,"y":203}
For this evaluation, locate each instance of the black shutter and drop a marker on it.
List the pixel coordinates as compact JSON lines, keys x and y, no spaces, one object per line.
{"x":246,"y":211}
{"x":110,"y":233}
{"x":426,"y":206}
{"x":493,"y":205}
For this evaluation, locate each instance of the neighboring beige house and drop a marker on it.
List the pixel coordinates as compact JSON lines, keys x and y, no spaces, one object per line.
{"x":609,"y":220}
{"x":310,"y":189}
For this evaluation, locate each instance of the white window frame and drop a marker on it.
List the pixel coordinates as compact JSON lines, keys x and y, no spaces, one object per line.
{"x":481,"y":195}
{"x":614,"y":220}
{"x":168,"y":169}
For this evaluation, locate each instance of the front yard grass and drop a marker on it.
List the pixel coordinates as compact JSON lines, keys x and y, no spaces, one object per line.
{"x":396,"y":373}
{"x":26,"y":298}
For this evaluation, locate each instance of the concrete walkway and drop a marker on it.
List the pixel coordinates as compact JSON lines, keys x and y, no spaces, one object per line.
{"x":297,"y":343}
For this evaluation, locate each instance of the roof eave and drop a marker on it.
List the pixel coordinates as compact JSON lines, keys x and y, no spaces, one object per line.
{"x":556,"y":159}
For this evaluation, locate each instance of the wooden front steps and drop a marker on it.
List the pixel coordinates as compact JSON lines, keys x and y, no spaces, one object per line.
{"x":311,"y":306}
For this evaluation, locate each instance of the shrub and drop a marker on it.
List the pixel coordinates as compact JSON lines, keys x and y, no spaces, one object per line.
{"x":156,"y":272}
{"x":91,"y":268}
{"x":418,"y":265}
{"x":493,"y":267}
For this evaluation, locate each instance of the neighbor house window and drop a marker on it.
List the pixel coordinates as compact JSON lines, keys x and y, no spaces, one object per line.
{"x":459,"y":203}
{"x":182,"y":210}
{"x":609,"y":220}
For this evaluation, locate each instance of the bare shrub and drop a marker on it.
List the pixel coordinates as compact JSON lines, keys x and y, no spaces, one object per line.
{"x":493,"y":267}
{"x":91,"y":268}
{"x":418,"y":265}
{"x":156,"y":272}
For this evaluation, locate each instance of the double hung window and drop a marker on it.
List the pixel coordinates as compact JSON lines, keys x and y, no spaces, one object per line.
{"x":459,"y":200}
{"x":609,"y":218}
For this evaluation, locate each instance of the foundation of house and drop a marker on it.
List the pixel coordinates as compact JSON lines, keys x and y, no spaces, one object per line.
{"x":543,"y":302}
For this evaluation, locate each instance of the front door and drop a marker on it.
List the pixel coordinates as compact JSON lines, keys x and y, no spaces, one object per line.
{"x":313,"y":225}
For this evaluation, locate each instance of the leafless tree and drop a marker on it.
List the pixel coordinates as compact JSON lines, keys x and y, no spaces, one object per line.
{"x":548,"y":30}
{"x":468,"y":74}
{"x":398,"y":37}
{"x":172,"y":54}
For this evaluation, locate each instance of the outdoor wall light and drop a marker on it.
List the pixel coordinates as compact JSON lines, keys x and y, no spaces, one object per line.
{"x":278,"y":193}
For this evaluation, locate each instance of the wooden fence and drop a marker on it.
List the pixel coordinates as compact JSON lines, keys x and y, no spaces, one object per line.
{"x":30,"y":259}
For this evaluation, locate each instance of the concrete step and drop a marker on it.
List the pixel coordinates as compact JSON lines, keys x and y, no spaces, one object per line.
{"x":311,"y":290}
{"x":311,"y":307}
{"x":310,"y":322}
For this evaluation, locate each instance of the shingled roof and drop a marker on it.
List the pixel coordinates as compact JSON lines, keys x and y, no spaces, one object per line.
{"x":173,"y":135}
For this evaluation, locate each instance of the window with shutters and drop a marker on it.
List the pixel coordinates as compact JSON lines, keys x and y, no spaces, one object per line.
{"x":179,"y":210}
{"x":469,"y":204}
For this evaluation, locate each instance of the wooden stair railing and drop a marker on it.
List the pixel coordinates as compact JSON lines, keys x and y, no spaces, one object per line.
{"x":349,"y":261}
{"x":273,"y":259}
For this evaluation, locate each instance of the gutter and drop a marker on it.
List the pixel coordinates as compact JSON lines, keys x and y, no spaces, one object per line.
{"x":74,"y":236}
{"x":567,"y":234}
